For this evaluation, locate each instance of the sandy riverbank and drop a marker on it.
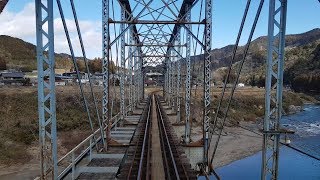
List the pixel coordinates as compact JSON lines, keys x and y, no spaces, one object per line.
{"x":236,"y":143}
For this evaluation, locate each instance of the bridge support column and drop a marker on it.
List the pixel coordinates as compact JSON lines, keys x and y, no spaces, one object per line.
{"x":122,"y":70}
{"x":130,"y":67}
{"x":166,"y":81}
{"x":106,"y":117}
{"x":46,"y":89}
{"x":207,"y":79}
{"x":170,"y":78}
{"x":141,"y":74}
{"x":179,"y":59}
{"x":188,"y":78}
{"x":273,"y":95}
{"x":135,"y":84}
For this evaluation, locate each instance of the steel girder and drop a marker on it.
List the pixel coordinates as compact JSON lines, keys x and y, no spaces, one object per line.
{"x":207,"y":79}
{"x":188,"y":78}
{"x":122,"y":69}
{"x":46,"y":89}
{"x":141,"y":75}
{"x":130,"y":67}
{"x":169,"y":69}
{"x":106,"y":116}
{"x":181,"y":14}
{"x":107,"y":43}
{"x":172,"y":82}
{"x":178,"y":61}
{"x":273,"y":95}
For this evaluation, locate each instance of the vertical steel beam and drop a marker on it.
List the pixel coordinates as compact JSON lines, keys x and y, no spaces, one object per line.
{"x":141,"y":73}
{"x":273,"y":95}
{"x":207,"y":78}
{"x":166,"y":81}
{"x":178,"y":42}
{"x":46,"y":89}
{"x":135,"y":85}
{"x":105,"y":66}
{"x":130,"y":70}
{"x":142,"y":76}
{"x":170,"y":78}
{"x":123,"y":59}
{"x":188,"y":78}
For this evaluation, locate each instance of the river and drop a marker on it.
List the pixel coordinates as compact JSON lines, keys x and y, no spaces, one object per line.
{"x":292,"y":164}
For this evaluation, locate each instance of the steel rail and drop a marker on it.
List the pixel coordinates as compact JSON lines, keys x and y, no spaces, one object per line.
{"x":145,"y":140}
{"x":166,"y":140}
{"x":130,"y":171}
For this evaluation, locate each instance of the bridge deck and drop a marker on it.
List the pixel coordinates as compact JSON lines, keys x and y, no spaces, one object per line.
{"x":157,"y":160}
{"x":106,"y":165}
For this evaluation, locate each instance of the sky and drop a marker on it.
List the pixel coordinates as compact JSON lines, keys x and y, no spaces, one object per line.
{"x":18,"y":20}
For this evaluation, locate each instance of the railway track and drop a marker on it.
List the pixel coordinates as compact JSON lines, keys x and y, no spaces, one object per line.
{"x":143,"y":159}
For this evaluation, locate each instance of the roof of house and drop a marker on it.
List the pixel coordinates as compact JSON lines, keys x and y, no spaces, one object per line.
{"x":149,"y":81}
{"x":153,"y":74}
{"x":13,"y":75}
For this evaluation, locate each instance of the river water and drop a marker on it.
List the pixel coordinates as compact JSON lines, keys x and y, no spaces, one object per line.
{"x":292,"y":164}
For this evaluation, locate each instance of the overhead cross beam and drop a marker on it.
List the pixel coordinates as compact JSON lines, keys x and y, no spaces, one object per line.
{"x":126,"y":5}
{"x":182,"y":14}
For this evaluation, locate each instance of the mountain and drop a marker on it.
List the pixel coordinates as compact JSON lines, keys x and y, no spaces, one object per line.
{"x":221,"y":57}
{"x":302,"y":61}
{"x":18,"y":54}
{"x":302,"y":67}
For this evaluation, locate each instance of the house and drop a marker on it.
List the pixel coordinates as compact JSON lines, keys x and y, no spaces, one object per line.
{"x":149,"y":83}
{"x":33,"y":76}
{"x":60,"y":83}
{"x":154,"y":78}
{"x":61,"y":71}
{"x":12,"y":78}
{"x":63,"y":80}
{"x":240,"y":85}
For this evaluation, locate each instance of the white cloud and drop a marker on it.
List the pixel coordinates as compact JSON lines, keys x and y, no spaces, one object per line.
{"x":22,"y":25}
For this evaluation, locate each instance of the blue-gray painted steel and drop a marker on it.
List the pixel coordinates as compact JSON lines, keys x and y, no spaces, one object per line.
{"x":105,"y":65}
{"x":273,"y":95}
{"x":188,"y":78}
{"x":88,"y":70}
{"x":123,"y":58}
{"x":76,"y":68}
{"x":46,"y":89}
{"x":207,"y":78}
{"x":130,"y":71}
{"x":178,"y":42}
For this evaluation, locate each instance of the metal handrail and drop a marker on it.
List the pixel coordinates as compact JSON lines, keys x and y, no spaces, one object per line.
{"x":71,"y":153}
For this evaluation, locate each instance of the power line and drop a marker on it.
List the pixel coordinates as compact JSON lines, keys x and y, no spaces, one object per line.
{"x":238,"y":75}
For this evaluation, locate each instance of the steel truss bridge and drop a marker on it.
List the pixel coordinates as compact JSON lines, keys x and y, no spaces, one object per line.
{"x":137,"y":34}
